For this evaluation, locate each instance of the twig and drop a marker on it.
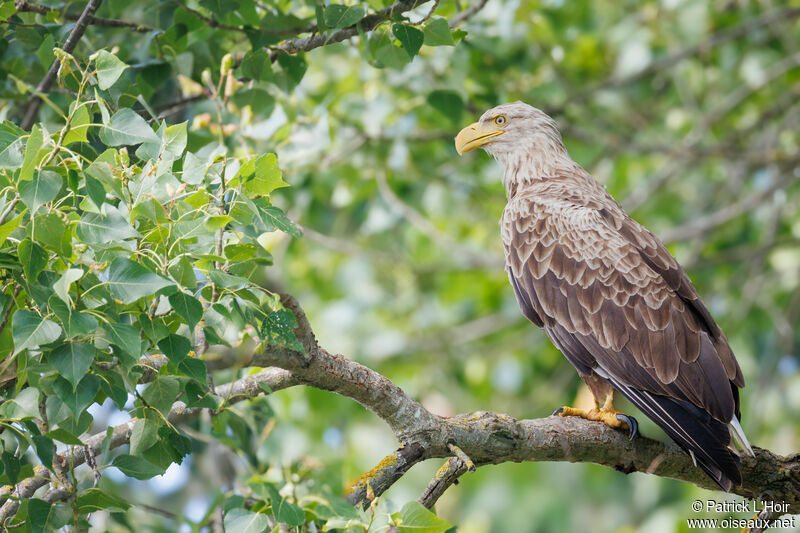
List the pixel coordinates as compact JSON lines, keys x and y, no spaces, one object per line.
{"x":445,"y":477}
{"x":72,"y":41}
{"x":29,"y":7}
{"x":466,"y":14}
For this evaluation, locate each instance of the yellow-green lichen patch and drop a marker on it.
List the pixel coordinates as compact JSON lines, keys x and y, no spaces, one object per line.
{"x":372,"y":474}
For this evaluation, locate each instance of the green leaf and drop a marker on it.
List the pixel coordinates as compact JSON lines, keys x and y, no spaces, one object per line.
{"x":259,"y":100}
{"x":448,"y":103}
{"x":29,"y":330}
{"x":45,"y":516}
{"x":45,"y":449}
{"x":127,"y":127}
{"x":32,"y":147}
{"x":285,"y":511}
{"x":275,"y":216}
{"x":12,"y":466}
{"x":109,"y":69}
{"x":226,"y":281}
{"x":161,"y":394}
{"x":72,"y":360}
{"x":8,"y":228}
{"x":33,"y":258}
{"x":257,"y":65}
{"x":183,"y":272}
{"x":266,"y":178}
{"x":64,"y":436}
{"x":52,"y":232}
{"x":244,"y":521}
{"x":175,"y":347}
{"x":339,"y":16}
{"x":136,"y":467}
{"x":11,"y":143}
{"x":188,"y":308}
{"x":41,"y":189}
{"x":410,"y":37}
{"x":76,"y":323}
{"x":437,"y":33}
{"x":7,"y":9}
{"x":61,"y":287}
{"x":392,"y":56}
{"x":414,"y":518}
{"x":144,"y":434}
{"x":129,"y":281}
{"x":95,"y":499}
{"x":101,"y":228}
{"x":80,"y":397}
{"x":278,"y":330}
{"x":24,"y":405}
{"x":124,"y":336}
{"x":78,"y":126}
{"x":194,"y":368}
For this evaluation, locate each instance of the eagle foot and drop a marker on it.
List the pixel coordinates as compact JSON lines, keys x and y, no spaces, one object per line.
{"x":609,"y":416}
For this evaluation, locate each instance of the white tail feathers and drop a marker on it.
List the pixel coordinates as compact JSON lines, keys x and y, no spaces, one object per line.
{"x":739,"y":436}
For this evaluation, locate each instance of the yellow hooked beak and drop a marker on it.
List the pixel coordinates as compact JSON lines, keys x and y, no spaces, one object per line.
{"x":474,"y":136}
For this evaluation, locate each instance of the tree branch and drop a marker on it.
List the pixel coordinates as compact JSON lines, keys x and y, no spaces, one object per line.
{"x":72,"y":41}
{"x":23,"y":6}
{"x":481,"y":438}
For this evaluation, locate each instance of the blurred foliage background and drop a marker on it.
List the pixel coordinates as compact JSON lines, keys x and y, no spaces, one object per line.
{"x":688,"y":112}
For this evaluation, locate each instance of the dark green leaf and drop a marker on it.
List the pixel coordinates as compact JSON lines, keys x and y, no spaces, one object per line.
{"x":259,"y":100}
{"x":45,"y":516}
{"x":95,"y":499}
{"x":41,"y":189}
{"x":79,"y":397}
{"x":188,"y":308}
{"x":275,"y":216}
{"x":33,"y":258}
{"x":161,"y":394}
{"x":76,"y":323}
{"x":194,"y":368}
{"x":410,"y":37}
{"x":257,"y":65}
{"x":72,"y":360}
{"x":136,"y":467}
{"x":124,"y":337}
{"x":175,"y":347}
{"x":144,"y":434}
{"x":339,"y":16}
{"x":45,"y":449}
{"x":29,"y":330}
{"x":129,"y":281}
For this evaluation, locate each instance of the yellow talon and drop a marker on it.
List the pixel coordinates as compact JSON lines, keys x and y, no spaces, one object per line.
{"x":606,"y":414}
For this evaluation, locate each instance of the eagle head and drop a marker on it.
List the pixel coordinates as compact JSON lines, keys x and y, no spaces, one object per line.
{"x":509,"y":129}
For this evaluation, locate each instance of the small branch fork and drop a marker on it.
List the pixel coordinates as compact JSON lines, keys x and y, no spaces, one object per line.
{"x":467,"y":441}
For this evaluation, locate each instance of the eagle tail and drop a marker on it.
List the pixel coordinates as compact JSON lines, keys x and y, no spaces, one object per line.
{"x":695,"y":431}
{"x":740,"y":437}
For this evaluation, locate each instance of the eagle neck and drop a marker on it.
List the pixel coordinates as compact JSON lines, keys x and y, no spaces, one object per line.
{"x":524,"y":168}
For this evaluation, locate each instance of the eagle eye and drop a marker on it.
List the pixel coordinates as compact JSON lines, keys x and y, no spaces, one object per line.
{"x":500,"y":120}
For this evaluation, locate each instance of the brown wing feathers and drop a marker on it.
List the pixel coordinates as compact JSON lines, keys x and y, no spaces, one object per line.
{"x":614,"y":300}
